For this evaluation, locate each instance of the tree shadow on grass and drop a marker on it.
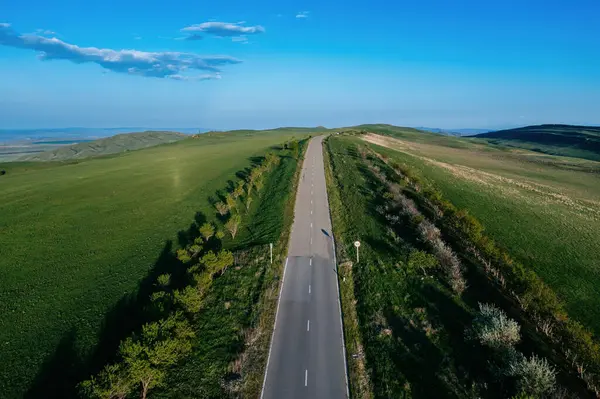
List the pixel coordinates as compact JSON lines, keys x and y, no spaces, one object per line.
{"x":60,"y":372}
{"x":64,"y":369}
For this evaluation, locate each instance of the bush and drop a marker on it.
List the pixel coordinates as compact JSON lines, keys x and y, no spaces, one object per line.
{"x":534,"y":375}
{"x":419,"y":260}
{"x":492,"y":328}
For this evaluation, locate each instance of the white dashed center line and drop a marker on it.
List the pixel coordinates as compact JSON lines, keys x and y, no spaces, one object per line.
{"x":308,"y":325}
{"x":305,"y":378}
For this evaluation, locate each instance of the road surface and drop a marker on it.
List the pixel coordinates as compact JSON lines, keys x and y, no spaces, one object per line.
{"x":306,"y":357}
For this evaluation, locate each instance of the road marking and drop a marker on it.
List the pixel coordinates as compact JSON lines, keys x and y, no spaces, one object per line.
{"x":308,"y":325}
{"x":309,"y":288}
{"x":262,"y":392}
{"x":311,"y":202}
{"x":311,"y":211}
{"x":305,"y":378}
{"x":310,"y":262}
{"x":311,"y":240}
{"x":311,"y":225}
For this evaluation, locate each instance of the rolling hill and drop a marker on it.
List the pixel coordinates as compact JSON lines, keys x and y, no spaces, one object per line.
{"x":565,"y":140}
{"x":105,"y":146}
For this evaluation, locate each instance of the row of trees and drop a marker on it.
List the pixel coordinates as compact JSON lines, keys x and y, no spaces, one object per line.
{"x":241,"y":193}
{"x":145,"y":357}
{"x":401,"y":205}
{"x":537,"y":301}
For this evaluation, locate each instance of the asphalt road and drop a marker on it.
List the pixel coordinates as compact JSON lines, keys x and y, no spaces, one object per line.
{"x":307,"y":358}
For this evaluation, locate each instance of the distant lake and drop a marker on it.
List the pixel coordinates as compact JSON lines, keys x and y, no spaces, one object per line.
{"x":61,"y":142}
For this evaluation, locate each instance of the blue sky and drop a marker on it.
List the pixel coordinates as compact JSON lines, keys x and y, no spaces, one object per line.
{"x":242,"y":64}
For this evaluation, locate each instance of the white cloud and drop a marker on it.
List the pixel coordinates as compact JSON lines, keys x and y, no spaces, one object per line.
{"x":224,"y":29}
{"x":302,"y":14}
{"x":169,"y":65}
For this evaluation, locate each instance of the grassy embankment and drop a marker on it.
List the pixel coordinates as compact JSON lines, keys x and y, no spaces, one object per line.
{"x":545,"y":210}
{"x":412,"y":326}
{"x":82,"y":242}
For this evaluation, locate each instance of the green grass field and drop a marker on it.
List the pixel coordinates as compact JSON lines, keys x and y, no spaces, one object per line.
{"x":408,"y":339}
{"x":77,"y":237}
{"x":545,"y":210}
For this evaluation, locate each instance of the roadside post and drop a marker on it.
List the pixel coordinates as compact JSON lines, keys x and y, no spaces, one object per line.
{"x":271,"y":250}
{"x":357,"y":244}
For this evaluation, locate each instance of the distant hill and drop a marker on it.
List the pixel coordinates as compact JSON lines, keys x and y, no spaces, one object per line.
{"x":105,"y":146}
{"x":453,"y":132}
{"x":565,"y":140}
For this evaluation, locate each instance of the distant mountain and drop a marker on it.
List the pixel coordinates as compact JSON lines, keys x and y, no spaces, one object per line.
{"x":454,"y":132}
{"x":105,"y":146}
{"x":565,"y":140}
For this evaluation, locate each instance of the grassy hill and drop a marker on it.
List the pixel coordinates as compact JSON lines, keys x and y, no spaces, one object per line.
{"x":110,"y":145}
{"x":565,"y":140}
{"x":80,"y":238}
{"x":406,"y":321}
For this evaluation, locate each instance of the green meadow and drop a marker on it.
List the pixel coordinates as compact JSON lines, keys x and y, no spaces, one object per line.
{"x":81,"y":238}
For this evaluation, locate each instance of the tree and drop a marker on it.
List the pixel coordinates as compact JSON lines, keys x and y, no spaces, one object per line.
{"x":231,"y":203}
{"x":217,"y":262}
{"x":207,"y":230}
{"x":160,"y":345}
{"x":492,"y":328}
{"x":112,"y":382}
{"x":248,"y":202}
{"x":233,"y":224}
{"x":183,"y":255}
{"x":293,"y":146}
{"x":272,"y":159}
{"x":220,"y":234}
{"x":420,"y":260}
{"x":239,"y":189}
{"x":254,"y":175}
{"x":222,"y":208}
{"x":259,"y":184}
{"x":194,"y":249}
{"x":189,"y":298}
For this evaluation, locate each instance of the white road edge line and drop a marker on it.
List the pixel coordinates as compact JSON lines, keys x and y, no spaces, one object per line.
{"x":262,"y":392}
{"x":305,"y":378}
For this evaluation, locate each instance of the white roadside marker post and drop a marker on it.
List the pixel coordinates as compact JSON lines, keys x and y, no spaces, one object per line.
{"x":271,"y":250}
{"x":357,"y":244}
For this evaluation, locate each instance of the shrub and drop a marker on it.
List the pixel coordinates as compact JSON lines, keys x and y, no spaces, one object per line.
{"x":492,"y":328}
{"x":164,"y":280}
{"x":534,"y":375}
